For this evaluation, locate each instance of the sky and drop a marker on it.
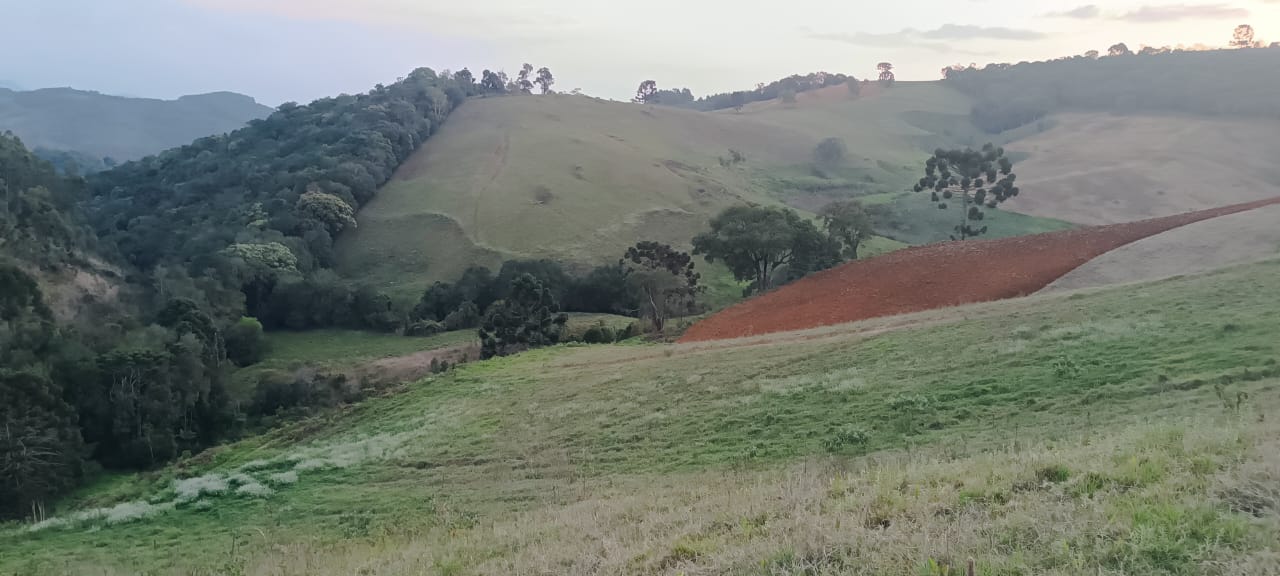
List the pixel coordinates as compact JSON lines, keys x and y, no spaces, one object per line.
{"x":299,"y":50}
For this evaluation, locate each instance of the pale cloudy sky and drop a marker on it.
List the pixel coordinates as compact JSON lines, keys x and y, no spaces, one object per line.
{"x":278,"y":50}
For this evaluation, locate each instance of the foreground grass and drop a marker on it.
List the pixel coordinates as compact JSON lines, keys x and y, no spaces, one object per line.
{"x":1120,"y":431}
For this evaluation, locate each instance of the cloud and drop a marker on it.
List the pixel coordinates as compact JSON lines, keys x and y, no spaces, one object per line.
{"x":1176,"y":12}
{"x":1086,"y":12}
{"x":968,"y":32}
{"x":929,"y":39}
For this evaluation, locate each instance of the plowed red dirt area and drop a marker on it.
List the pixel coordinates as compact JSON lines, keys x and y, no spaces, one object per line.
{"x":934,"y":276}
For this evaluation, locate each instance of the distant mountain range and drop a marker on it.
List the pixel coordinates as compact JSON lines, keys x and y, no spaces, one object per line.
{"x":88,"y":124}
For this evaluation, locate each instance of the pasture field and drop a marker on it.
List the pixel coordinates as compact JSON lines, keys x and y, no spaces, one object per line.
{"x":1121,"y":431}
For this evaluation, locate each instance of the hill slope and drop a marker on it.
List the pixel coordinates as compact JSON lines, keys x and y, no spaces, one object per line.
{"x":579,"y":179}
{"x":1107,"y":169}
{"x":850,"y":450}
{"x":121,"y":128}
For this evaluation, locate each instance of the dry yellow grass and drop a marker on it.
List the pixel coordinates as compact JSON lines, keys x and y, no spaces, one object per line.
{"x":1104,"y":169}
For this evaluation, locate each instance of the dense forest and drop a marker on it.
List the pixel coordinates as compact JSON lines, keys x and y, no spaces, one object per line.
{"x":38,"y":209}
{"x":1220,"y":82}
{"x":136,"y":386}
{"x":258,"y":209}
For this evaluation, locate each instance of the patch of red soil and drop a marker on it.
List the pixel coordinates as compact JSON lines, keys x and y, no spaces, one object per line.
{"x":934,"y":276}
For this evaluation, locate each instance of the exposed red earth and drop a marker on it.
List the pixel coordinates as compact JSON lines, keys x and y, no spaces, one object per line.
{"x":934,"y":276}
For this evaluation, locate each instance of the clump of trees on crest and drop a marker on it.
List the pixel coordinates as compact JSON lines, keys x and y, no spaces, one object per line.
{"x":784,"y":89}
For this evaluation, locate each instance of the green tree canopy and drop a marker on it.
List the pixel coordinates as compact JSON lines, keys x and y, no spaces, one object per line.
{"x":830,"y":154}
{"x":969,"y":180}
{"x":528,"y":317}
{"x":331,"y":211}
{"x":662,"y":280}
{"x":755,"y":241}
{"x":849,"y":222}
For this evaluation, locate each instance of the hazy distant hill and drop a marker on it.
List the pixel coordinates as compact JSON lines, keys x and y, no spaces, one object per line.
{"x":99,"y":125}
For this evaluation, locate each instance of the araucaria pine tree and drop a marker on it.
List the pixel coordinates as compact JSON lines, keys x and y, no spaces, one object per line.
{"x":972,"y":180}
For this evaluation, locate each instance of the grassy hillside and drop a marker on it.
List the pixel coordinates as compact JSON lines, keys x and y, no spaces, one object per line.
{"x":1103,"y":169}
{"x":99,"y":125}
{"x":1120,"y":431}
{"x":579,"y":179}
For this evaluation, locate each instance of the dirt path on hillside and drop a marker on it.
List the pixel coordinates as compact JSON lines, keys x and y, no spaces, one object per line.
{"x":935,"y":276}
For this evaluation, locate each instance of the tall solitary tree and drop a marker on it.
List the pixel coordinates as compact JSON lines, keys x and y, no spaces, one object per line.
{"x":1120,"y":49}
{"x":970,"y":179}
{"x":528,"y":317}
{"x":545,"y":80}
{"x":830,"y":153}
{"x":1242,"y":37}
{"x":524,"y":82}
{"x":886,"y":72}
{"x":663,"y":281}
{"x":646,"y":93}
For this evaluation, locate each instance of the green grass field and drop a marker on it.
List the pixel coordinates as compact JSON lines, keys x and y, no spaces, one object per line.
{"x":1122,"y":431}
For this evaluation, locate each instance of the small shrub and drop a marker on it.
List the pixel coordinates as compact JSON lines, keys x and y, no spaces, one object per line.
{"x":1053,"y":474}
{"x":908,"y":408}
{"x":631,"y":331}
{"x":246,"y":343}
{"x":1065,"y":368}
{"x":543,"y":195}
{"x":681,"y":552}
{"x":844,"y":438}
{"x":593,"y":335}
{"x":1091,"y":483}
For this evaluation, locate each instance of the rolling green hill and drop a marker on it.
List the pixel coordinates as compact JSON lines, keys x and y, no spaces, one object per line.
{"x":97,"y":125}
{"x":1135,"y":420}
{"x":578,"y":179}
